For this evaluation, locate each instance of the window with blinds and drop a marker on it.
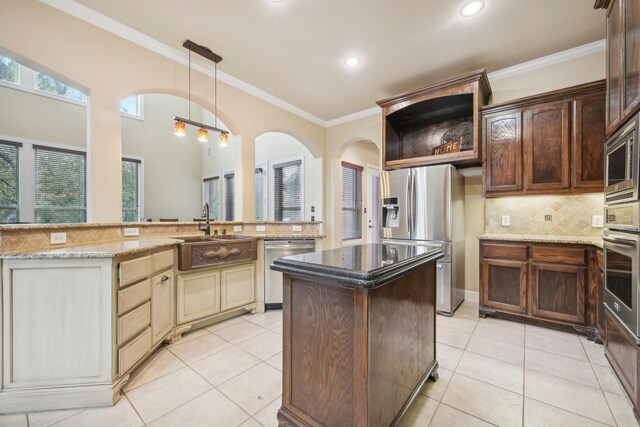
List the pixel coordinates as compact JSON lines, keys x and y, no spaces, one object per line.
{"x":9,"y":155}
{"x":61,"y":185}
{"x":351,"y":201}
{"x":287,"y":185}
{"x":229,"y":196}
{"x":259,"y":188}
{"x":212,"y":196}
{"x":131,"y":190}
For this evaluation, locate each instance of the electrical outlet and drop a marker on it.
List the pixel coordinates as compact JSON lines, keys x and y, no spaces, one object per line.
{"x":133,"y":231}
{"x":58,"y":238}
{"x":548,"y":218}
{"x":506,"y":220}
{"x":296,"y":228}
{"x":597,"y":221}
{"x":261,"y":228}
{"x":237,"y":228}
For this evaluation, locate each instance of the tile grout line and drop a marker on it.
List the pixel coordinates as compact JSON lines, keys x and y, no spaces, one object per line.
{"x":524,"y":373}
{"x":615,"y":421}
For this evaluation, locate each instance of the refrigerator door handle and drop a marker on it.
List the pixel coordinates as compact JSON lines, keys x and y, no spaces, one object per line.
{"x":410,"y":202}
{"x":412,"y":197}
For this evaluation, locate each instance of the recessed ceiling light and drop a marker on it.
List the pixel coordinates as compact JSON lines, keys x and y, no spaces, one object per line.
{"x":352,"y":62}
{"x":472,"y":8}
{"x":277,"y":1}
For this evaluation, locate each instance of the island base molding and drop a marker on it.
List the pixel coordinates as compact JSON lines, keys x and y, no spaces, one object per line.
{"x":55,"y":398}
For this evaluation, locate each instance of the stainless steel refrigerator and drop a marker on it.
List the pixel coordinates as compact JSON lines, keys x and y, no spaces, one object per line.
{"x":425,"y":206}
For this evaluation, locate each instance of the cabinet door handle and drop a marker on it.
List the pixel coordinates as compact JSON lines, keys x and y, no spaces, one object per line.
{"x":164,"y":278}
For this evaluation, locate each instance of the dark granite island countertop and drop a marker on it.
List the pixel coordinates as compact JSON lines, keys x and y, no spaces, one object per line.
{"x":361,"y":266}
{"x":358,"y":334}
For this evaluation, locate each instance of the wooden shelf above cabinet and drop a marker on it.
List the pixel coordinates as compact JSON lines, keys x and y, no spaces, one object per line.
{"x":435,"y":124}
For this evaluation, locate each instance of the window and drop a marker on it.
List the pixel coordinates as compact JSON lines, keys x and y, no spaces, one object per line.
{"x":8,"y":70}
{"x":259,"y":186}
{"x":9,"y":182}
{"x":212,"y":196}
{"x":229,"y":196}
{"x":351,"y":201}
{"x":60,"y":185}
{"x":287,"y":185}
{"x":131,"y":106}
{"x":47,"y":84}
{"x":131,"y":190}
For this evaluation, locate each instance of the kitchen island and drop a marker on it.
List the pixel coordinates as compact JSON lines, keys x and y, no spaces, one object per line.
{"x":359,"y":333}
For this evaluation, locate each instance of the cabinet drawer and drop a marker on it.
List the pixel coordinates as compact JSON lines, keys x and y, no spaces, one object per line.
{"x":136,"y":269}
{"x":162,"y":260}
{"x":504,"y":251}
{"x":131,"y":353}
{"x":132,"y":323}
{"x":133,"y":296}
{"x":557,"y":254}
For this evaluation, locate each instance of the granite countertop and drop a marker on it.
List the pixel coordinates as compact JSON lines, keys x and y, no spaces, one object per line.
{"x":96,"y":250}
{"x":543,"y":238}
{"x":361,"y":266}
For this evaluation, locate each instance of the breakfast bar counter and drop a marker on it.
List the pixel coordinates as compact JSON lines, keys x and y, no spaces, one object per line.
{"x":359,"y":333}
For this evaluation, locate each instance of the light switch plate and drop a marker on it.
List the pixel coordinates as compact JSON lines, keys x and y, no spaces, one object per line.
{"x":506,"y":220}
{"x":237,"y":228}
{"x":133,"y":231}
{"x":296,"y":228}
{"x":597,"y":221}
{"x":58,"y":238}
{"x":260,"y":228}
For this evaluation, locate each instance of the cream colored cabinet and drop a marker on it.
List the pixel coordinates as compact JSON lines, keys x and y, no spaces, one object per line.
{"x":161,"y":305}
{"x":237,"y":287}
{"x":198,"y":295}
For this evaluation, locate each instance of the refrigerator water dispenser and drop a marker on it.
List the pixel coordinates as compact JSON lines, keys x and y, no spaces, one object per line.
{"x":390,"y":214}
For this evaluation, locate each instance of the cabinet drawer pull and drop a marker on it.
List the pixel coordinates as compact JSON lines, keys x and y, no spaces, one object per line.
{"x":164,"y":278}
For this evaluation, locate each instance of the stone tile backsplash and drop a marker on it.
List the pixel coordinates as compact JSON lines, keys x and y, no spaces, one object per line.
{"x":570,"y":215}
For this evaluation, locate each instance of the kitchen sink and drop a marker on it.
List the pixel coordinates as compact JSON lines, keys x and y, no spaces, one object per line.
{"x":208,"y":251}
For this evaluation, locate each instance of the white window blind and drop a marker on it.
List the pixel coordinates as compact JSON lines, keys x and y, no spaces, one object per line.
{"x":351,"y":201}
{"x":60,"y":185}
{"x":212,"y":196}
{"x":229,"y":196}
{"x":287,"y":183}
{"x":130,"y":190}
{"x":9,"y":159}
{"x":259,"y":188}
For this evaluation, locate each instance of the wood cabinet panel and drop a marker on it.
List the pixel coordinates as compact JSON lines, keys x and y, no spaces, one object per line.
{"x":504,"y":251}
{"x":504,"y":285}
{"x":558,"y":254}
{"x":623,"y":353}
{"x":614,"y":65}
{"x":588,"y":138}
{"x":503,"y":151}
{"x":237,"y":286}
{"x":631,"y":66}
{"x":198,"y":295}
{"x":546,"y":147}
{"x":558,"y":292}
{"x":161,"y":305}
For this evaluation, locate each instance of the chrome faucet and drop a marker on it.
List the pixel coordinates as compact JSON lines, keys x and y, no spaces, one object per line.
{"x":205,"y":216}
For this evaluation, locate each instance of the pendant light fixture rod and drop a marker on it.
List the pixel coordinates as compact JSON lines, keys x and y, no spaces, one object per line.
{"x":189,"y":85}
{"x":200,"y":125}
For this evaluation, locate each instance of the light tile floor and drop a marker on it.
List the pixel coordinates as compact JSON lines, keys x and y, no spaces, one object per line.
{"x":492,"y":372}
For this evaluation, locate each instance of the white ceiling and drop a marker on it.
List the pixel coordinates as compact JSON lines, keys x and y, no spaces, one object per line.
{"x":295,"y":49}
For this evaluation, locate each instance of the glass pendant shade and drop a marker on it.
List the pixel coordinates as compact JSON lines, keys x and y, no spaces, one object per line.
{"x":180,"y":129}
{"x":223,"y":140}
{"x":203,"y":135}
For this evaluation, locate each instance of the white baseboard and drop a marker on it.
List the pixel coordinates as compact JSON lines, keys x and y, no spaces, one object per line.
{"x":472,"y":296}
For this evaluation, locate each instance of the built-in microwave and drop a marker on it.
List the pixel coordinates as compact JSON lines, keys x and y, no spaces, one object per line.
{"x":621,"y":165}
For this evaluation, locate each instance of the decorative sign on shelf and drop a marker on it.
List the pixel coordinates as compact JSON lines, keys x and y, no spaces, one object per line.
{"x":459,"y":138}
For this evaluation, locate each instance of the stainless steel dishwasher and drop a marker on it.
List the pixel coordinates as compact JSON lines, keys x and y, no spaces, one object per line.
{"x":272,"y":279}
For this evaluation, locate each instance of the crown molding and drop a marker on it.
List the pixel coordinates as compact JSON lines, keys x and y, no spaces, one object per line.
{"x":110,"y":25}
{"x":353,"y":116}
{"x":545,"y":61}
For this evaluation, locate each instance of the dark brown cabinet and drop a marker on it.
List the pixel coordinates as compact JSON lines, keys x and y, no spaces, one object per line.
{"x":623,"y":61}
{"x":543,"y":283}
{"x":435,"y":124}
{"x":546,"y":144}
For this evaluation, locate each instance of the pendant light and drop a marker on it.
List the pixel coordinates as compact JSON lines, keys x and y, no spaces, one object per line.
{"x":180,"y":128}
